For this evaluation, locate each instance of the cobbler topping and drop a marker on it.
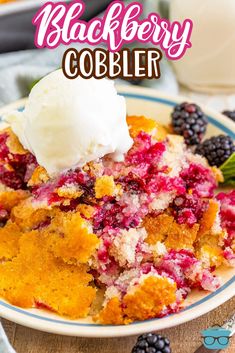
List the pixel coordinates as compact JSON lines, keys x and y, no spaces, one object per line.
{"x":187,"y":271}
{"x":139,"y":124}
{"x":16,"y":164}
{"x":227,"y":214}
{"x":188,"y":208}
{"x":144,"y":232}
{"x":200,"y":180}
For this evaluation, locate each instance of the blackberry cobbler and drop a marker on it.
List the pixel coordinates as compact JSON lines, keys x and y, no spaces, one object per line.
{"x":121,"y":241}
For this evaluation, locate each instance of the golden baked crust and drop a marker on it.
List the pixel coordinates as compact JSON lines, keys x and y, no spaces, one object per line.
{"x":181,"y":236}
{"x":163,"y":228}
{"x":141,"y":123}
{"x":112,"y":313}
{"x":217,"y":174}
{"x":157,"y":228}
{"x":86,"y":211}
{"x":208,"y":218}
{"x":38,"y":177}
{"x":29,"y":217}
{"x":146,"y":300}
{"x":105,"y":186}
{"x":69,"y":192}
{"x":13,"y":143}
{"x":149,"y":298}
{"x":208,"y":242}
{"x":210,"y":255}
{"x":44,"y":279}
{"x":9,"y":198}
{"x":69,"y":238}
{"x":9,"y":241}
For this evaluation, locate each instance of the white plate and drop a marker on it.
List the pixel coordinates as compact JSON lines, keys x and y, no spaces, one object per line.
{"x":151,"y":103}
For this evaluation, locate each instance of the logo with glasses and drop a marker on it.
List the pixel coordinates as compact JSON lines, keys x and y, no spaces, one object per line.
{"x":216,"y":337}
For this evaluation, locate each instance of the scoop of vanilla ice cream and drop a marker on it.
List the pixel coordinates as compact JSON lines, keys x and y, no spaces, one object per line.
{"x":67,"y":123}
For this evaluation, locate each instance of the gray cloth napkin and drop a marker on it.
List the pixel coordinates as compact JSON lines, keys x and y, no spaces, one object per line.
{"x":5,"y":346}
{"x":18,"y":70}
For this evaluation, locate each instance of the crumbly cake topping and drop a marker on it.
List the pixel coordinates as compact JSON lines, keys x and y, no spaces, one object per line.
{"x":150,"y":126}
{"x":38,"y":177}
{"x":144,"y":231}
{"x":10,"y":198}
{"x":69,"y":237}
{"x":105,"y":186}
{"x":45,"y":280}
{"x":13,"y":143}
{"x":157,"y":227}
{"x":147,"y":300}
{"x":9,"y":241}
{"x":124,"y":247}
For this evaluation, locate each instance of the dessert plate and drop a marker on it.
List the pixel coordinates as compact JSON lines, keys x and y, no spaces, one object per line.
{"x":140,"y":101}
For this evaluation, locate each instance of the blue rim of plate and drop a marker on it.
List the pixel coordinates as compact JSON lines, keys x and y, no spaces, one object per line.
{"x":199,"y":302}
{"x":172,"y":103}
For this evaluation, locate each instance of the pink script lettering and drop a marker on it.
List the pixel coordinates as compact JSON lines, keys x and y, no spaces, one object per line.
{"x":60,"y":22}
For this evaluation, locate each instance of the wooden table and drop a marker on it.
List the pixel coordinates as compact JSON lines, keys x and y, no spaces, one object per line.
{"x":184,"y":338}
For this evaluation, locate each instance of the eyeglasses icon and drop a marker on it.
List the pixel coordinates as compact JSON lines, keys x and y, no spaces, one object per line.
{"x":216,"y":337}
{"x":209,"y":340}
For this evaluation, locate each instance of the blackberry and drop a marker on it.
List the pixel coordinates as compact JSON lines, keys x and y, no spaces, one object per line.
{"x":152,"y":343}
{"x":216,"y":149}
{"x":189,"y":121}
{"x":230,"y":114}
